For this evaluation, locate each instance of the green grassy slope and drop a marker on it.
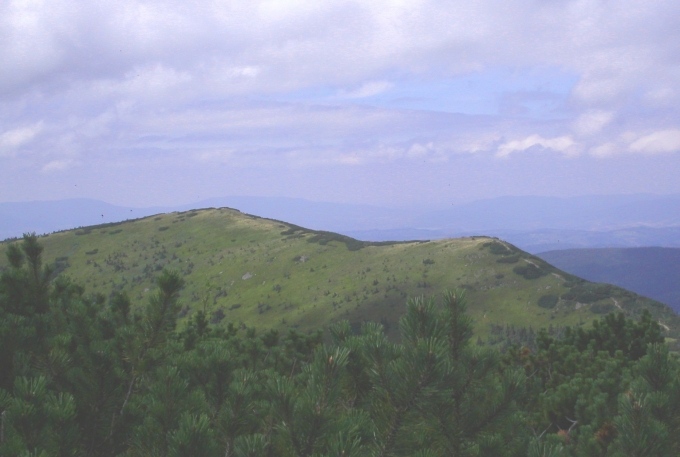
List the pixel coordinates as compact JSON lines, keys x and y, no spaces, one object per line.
{"x":266,"y":273}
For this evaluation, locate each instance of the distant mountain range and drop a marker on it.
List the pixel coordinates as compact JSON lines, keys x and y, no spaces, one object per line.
{"x":652,"y":271}
{"x":534,"y":224}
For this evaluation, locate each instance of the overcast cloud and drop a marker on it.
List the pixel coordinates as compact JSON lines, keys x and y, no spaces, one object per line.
{"x":418,"y":102}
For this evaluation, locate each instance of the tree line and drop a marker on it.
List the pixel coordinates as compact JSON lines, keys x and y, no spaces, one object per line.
{"x":87,"y":375}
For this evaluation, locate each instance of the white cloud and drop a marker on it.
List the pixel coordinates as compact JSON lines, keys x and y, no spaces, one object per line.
{"x":368,"y":89}
{"x":350,"y":159}
{"x":205,"y":81}
{"x":13,"y":139}
{"x":592,"y":122}
{"x":634,"y":143}
{"x":605,"y":150}
{"x":663,"y":94}
{"x":59,"y":165}
{"x":342,"y":42}
{"x":663,"y":141}
{"x":155,"y":78}
{"x":563,"y":144}
{"x":420,"y":150}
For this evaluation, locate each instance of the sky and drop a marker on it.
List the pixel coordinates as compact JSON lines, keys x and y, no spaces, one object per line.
{"x":398,"y":102}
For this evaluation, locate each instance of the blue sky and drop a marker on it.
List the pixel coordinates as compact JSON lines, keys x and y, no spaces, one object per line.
{"x":409,"y":102}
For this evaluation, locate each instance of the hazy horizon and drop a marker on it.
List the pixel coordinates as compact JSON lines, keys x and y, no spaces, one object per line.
{"x":530,"y":222}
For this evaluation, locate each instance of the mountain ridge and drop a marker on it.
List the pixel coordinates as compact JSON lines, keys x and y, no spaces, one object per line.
{"x":535,"y":224}
{"x":262,"y":272}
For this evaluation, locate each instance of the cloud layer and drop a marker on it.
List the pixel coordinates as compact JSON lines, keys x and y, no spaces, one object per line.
{"x":288,"y":85}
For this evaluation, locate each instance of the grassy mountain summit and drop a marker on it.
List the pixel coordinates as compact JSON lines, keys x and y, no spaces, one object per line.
{"x":269,"y":274}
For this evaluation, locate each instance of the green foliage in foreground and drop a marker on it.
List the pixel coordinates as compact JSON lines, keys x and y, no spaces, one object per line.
{"x":84,"y":376}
